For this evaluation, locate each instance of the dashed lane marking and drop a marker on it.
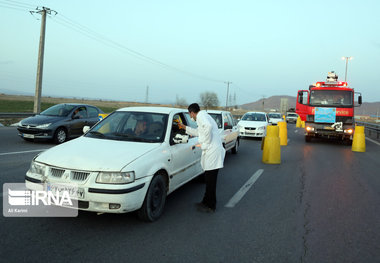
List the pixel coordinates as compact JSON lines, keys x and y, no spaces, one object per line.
{"x":244,"y":189}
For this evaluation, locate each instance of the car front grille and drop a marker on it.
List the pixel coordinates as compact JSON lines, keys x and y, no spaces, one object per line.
{"x":56,"y":172}
{"x":79,"y":176}
{"x":250,"y":129}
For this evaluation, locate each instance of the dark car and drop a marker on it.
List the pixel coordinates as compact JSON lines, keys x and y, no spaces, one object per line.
{"x":59,"y":122}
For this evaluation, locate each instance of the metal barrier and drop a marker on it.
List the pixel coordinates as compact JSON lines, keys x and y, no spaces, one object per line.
{"x":4,"y":115}
{"x":370,"y":128}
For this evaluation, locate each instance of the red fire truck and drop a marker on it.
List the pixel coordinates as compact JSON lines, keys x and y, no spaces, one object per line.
{"x":328,"y":109}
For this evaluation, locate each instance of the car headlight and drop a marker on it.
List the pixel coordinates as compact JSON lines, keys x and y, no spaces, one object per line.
{"x":261,"y":128}
{"x":37,"y":168}
{"x":115,"y":177}
{"x":43,"y":126}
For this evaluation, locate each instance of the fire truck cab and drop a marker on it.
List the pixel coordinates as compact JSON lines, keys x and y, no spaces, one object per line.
{"x":328,"y":109}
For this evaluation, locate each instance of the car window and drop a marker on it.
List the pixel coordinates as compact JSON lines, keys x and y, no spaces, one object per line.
{"x":189,"y":121}
{"x":177,"y":118}
{"x":231,"y":120}
{"x":61,"y":110}
{"x":131,"y":126}
{"x":218,"y":119}
{"x":92,"y":112}
{"x":81,"y":112}
{"x":254,"y":117}
{"x":274,"y":115}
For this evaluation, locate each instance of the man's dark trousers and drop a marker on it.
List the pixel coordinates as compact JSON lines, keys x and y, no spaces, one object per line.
{"x":209,"y":198}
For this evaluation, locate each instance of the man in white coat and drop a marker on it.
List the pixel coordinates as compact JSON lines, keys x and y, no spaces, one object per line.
{"x":212,"y":153}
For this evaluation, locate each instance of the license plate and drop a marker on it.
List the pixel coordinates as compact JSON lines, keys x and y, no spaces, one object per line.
{"x":329,"y":128}
{"x":74,"y":192}
{"x":250,"y":131}
{"x":29,"y":136}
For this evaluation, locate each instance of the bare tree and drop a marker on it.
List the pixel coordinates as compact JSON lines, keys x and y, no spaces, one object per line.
{"x":209,"y":99}
{"x":180,"y":101}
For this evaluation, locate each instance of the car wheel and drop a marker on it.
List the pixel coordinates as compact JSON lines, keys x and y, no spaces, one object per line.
{"x":235,"y":149}
{"x":154,"y":202}
{"x":307,"y":138}
{"x":60,"y":135}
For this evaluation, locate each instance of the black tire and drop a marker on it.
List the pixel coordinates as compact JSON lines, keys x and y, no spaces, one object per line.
{"x":307,"y":138}
{"x":28,"y":139}
{"x":60,"y":135}
{"x":235,"y":149}
{"x":154,"y":202}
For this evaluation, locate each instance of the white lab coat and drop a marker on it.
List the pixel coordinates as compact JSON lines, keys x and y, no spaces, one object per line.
{"x":211,"y":143}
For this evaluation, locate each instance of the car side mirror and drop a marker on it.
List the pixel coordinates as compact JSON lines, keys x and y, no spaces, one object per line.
{"x":86,"y":129}
{"x":179,"y":138}
{"x":360,"y":100}
{"x":75,"y":117}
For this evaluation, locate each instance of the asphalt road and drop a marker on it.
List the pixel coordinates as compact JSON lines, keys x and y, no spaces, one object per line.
{"x":321,"y":204}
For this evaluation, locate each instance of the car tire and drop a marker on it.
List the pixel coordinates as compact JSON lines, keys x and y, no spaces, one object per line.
{"x":154,"y":202}
{"x":235,"y":149}
{"x":60,"y":135}
{"x":307,"y":138}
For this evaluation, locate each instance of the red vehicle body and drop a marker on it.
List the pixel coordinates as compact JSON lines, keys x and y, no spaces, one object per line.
{"x":328,"y":109}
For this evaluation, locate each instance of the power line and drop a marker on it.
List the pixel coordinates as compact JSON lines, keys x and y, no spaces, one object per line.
{"x":98,"y":37}
{"x":21,"y":3}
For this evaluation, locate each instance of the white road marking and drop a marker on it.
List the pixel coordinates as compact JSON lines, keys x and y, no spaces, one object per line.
{"x":288,"y":140}
{"x":295,"y":131}
{"x":373,"y":141}
{"x":31,"y":151}
{"x":244,"y":189}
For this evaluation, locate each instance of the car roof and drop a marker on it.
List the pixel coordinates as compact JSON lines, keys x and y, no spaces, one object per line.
{"x":217,"y":111}
{"x":250,"y":112}
{"x":165,"y":110}
{"x":75,"y":104}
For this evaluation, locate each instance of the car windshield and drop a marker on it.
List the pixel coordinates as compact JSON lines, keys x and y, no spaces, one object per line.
{"x":292,"y":115}
{"x":254,"y":117}
{"x":274,"y":115}
{"x":334,"y":98}
{"x":218,"y":119}
{"x":61,"y":110}
{"x":131,"y":126}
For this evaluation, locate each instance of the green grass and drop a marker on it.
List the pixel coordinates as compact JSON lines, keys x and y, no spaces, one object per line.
{"x":21,"y":106}
{"x":27,"y":106}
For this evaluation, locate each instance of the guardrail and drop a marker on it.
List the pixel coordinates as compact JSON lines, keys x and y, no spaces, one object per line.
{"x":4,"y":115}
{"x":370,"y":128}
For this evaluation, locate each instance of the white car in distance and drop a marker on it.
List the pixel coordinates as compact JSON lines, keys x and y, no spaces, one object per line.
{"x":118,"y":169}
{"x":275,"y":117}
{"x":253,"y":124}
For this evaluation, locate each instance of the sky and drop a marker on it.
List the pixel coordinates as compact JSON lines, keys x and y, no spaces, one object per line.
{"x":114,"y":50}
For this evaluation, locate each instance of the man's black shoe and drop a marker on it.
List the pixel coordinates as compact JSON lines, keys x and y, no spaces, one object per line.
{"x":201,"y":207}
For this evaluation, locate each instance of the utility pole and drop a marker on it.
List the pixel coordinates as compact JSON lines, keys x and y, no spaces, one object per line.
{"x":37,"y":97}
{"x":147,"y":94}
{"x":347,"y":59}
{"x":228,"y":89}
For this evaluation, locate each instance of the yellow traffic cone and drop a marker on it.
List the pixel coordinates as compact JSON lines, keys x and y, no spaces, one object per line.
{"x":358,"y":142}
{"x":272,"y":148}
{"x":298,"y":124}
{"x":303,"y":124}
{"x":283,"y":133}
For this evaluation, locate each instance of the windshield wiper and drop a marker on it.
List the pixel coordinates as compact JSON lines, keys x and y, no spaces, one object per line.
{"x":99,"y":134}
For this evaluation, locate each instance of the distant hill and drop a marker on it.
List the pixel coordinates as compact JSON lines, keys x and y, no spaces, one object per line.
{"x":274,"y":102}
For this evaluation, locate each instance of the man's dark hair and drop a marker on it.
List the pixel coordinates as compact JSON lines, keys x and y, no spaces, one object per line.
{"x":194,"y":108}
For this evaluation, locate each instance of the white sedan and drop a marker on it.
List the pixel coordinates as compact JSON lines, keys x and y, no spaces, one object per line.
{"x":253,"y":124}
{"x":129,"y":161}
{"x":275,"y":118}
